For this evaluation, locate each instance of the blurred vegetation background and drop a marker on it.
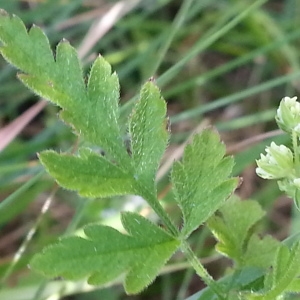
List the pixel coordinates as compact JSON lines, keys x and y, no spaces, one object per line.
{"x":224,"y":63}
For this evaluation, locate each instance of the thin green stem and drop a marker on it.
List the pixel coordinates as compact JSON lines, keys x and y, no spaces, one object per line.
{"x":227,"y":100}
{"x":231,"y":65}
{"x":201,"y":271}
{"x":70,"y":229}
{"x":189,"y":272}
{"x":192,"y":258}
{"x":29,"y":235}
{"x":296,"y":152}
{"x":201,"y":45}
{"x":159,"y":210}
{"x":11,"y":199}
{"x":177,"y":23}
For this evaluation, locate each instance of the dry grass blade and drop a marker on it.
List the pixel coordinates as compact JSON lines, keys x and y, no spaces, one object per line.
{"x":105,"y":23}
{"x":10,"y":131}
{"x":238,"y":147}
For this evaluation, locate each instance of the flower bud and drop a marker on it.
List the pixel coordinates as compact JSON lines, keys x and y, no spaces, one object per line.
{"x":288,"y":114}
{"x":276,"y":164}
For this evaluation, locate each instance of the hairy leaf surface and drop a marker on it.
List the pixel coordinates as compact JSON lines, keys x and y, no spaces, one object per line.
{"x":148,"y":132}
{"x":260,"y":252}
{"x":285,"y":270}
{"x":92,"y":109}
{"x":90,"y":174}
{"x":105,"y":254}
{"x":232,"y":224}
{"x":200,"y":180}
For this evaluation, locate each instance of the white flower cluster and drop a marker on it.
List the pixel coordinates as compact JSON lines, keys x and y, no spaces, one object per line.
{"x":288,"y":114}
{"x":279,"y":161}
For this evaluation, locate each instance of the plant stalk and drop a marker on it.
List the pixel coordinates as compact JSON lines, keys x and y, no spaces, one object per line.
{"x":159,"y":210}
{"x":192,"y":258}
{"x":296,"y":152}
{"x":201,"y":271}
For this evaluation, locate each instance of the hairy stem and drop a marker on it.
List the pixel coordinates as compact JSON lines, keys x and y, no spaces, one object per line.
{"x":296,"y":152}
{"x":191,"y":256}
{"x":159,"y":210}
{"x":200,"y":270}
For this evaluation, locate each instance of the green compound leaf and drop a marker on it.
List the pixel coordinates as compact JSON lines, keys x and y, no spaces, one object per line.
{"x":92,"y":110}
{"x":148,"y":132}
{"x":90,"y":174}
{"x":232,"y":224}
{"x":105,"y":253}
{"x":93,"y":175}
{"x":200,"y":181}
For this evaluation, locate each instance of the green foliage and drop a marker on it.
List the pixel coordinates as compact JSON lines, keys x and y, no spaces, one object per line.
{"x":285,"y":270}
{"x":60,"y":80}
{"x":105,"y":253}
{"x":81,"y":173}
{"x":92,"y":111}
{"x":232,"y":228}
{"x":107,"y":166}
{"x":148,"y":133}
{"x":36,"y":56}
{"x":131,"y":175}
{"x":282,"y":276}
{"x":200,"y":181}
{"x":260,"y":252}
